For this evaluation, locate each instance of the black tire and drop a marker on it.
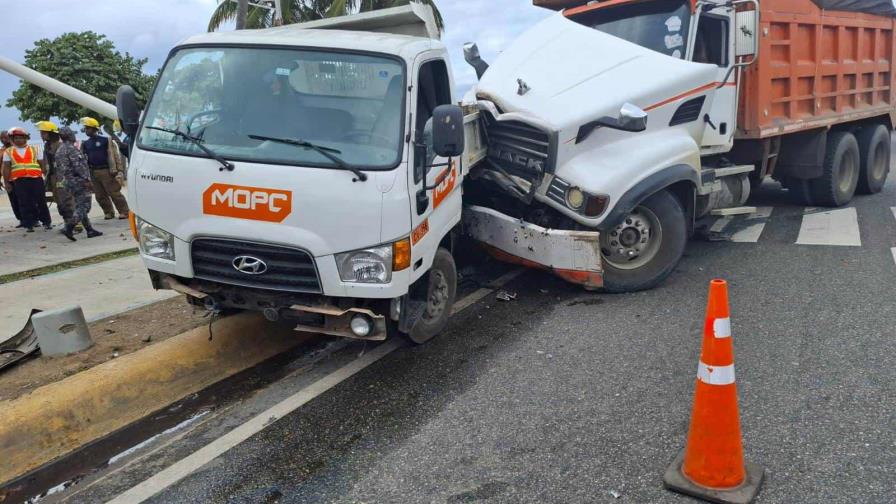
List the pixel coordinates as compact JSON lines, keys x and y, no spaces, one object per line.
{"x":440,"y":291}
{"x":874,"y":148}
{"x":673,"y":234}
{"x":840,"y":173}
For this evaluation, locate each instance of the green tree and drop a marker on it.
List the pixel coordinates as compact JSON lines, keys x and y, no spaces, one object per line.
{"x":87,"y":61}
{"x":298,"y":11}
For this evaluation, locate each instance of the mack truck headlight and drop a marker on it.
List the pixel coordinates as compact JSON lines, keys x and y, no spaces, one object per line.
{"x":375,"y":264}
{"x":155,"y":242}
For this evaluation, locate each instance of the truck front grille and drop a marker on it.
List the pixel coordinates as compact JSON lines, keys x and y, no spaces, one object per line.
{"x":285,"y":269}
{"x":519,"y":148}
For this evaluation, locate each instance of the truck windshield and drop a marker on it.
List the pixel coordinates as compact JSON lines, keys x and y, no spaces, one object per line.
{"x":660,"y":25}
{"x":349,"y":102}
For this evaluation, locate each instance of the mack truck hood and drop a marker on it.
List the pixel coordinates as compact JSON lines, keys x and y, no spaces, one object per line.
{"x":576,"y":74}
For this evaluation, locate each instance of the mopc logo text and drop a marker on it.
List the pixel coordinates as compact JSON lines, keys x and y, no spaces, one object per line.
{"x":241,"y":202}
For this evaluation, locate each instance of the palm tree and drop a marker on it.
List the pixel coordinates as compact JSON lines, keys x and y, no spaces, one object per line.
{"x":298,"y":11}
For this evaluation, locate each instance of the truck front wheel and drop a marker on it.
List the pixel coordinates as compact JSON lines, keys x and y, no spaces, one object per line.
{"x":440,"y":291}
{"x":643,"y":250}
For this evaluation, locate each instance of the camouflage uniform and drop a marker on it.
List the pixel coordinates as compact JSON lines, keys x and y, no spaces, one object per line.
{"x":71,"y":166}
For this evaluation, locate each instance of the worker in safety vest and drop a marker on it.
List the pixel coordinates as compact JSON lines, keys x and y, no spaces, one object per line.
{"x":65,"y":205}
{"x":106,"y":168}
{"x":24,"y":167}
{"x":13,"y":202}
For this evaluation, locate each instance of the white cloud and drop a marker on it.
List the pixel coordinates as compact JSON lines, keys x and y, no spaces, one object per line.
{"x":150,"y":28}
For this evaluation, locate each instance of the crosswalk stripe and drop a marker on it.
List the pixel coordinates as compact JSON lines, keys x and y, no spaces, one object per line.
{"x":832,"y":227}
{"x":751,"y":226}
{"x":753,"y":231}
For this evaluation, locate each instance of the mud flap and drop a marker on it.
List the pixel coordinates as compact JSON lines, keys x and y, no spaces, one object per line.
{"x":572,"y":255}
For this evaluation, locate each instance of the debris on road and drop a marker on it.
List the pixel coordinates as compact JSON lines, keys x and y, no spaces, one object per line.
{"x":615,"y":494}
{"x":21,"y":345}
{"x":504,"y":295}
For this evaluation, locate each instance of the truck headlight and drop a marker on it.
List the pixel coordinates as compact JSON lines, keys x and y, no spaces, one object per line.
{"x":374,"y":264}
{"x":155,"y":242}
{"x":371,"y":265}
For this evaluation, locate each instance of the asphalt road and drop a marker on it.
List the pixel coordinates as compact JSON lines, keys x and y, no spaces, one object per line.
{"x":568,"y":396}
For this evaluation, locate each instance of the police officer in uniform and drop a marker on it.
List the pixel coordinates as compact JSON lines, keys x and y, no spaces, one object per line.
{"x":73,"y":170}
{"x":106,"y":168}
{"x":49,"y":133}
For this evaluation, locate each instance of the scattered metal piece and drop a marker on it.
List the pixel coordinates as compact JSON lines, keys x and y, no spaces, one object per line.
{"x":20,"y":346}
{"x":504,"y":295}
{"x":615,"y":494}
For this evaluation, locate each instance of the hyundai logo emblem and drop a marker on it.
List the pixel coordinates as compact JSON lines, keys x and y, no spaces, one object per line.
{"x":249,"y":265}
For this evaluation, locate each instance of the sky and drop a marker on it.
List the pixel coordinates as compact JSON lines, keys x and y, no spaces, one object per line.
{"x":150,"y":28}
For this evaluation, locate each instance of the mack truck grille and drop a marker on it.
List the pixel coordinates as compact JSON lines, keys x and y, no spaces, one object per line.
{"x":519,"y":148}
{"x":255,"y":265}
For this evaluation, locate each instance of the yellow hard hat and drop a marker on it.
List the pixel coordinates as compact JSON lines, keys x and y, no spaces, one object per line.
{"x":47,"y":126}
{"x":90,"y":122}
{"x":116,"y":126}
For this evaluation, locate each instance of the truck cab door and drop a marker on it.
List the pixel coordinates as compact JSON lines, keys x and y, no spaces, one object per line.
{"x":713,"y":44}
{"x":435,"y":211}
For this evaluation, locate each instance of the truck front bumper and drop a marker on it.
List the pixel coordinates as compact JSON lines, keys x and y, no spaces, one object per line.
{"x":571,"y":255}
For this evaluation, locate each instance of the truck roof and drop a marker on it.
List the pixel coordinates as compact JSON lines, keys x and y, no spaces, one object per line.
{"x":397,"y":30}
{"x":336,"y":39}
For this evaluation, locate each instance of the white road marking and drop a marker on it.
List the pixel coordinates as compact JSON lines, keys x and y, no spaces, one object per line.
{"x":186,"y":466}
{"x":834,"y":227}
{"x":481,"y":293}
{"x":753,"y":231}
{"x":720,"y":224}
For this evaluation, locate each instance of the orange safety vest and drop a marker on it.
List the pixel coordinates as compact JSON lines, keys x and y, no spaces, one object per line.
{"x":24,"y":166}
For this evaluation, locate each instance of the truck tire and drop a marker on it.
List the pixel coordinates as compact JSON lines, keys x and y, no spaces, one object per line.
{"x":643,"y":250}
{"x":840,"y":172}
{"x":440,"y":291}
{"x":874,"y":148}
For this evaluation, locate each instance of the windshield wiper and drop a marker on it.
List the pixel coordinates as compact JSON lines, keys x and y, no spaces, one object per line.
{"x":327,"y":152}
{"x":225,"y":164}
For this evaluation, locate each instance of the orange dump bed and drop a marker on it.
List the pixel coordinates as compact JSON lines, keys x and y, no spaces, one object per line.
{"x":816,"y":68}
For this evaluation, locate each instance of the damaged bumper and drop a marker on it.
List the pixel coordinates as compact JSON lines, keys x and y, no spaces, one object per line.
{"x":572,"y":255}
{"x":344,"y":317}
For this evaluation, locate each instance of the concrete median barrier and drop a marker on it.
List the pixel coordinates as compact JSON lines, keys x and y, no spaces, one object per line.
{"x":59,"y":418}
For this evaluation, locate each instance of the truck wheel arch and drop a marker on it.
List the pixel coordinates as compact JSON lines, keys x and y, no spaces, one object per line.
{"x":681,"y":180}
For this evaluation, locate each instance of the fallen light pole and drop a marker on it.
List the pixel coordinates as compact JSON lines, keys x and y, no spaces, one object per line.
{"x":58,"y":88}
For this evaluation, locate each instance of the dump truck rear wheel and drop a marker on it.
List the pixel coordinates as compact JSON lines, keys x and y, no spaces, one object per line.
{"x":874,"y":148}
{"x":440,"y":293}
{"x":840,"y":174}
{"x":645,"y":248}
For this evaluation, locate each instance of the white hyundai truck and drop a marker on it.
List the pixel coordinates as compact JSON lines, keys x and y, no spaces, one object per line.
{"x":311,"y":172}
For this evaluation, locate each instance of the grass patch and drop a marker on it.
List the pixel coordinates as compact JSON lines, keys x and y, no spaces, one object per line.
{"x":55,"y":268}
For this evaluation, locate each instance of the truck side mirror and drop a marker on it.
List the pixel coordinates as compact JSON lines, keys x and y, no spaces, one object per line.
{"x":632,"y":118}
{"x":745,"y":39}
{"x":448,"y":130}
{"x":128,"y":111}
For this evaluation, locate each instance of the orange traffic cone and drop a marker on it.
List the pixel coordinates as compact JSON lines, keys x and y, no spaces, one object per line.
{"x":712,"y":467}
